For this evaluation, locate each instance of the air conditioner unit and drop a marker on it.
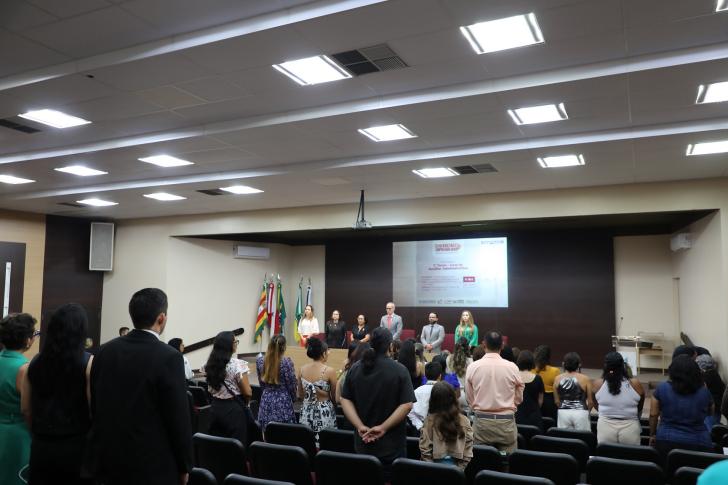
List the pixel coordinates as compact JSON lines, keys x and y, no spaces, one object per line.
{"x":251,"y":252}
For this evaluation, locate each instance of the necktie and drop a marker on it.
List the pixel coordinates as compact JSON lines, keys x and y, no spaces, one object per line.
{"x":389,"y":321}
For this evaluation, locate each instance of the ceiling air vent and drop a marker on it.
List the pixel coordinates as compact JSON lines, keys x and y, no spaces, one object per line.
{"x":370,"y":59}
{"x":12,"y":125}
{"x":212,"y":192}
{"x":470,"y":169}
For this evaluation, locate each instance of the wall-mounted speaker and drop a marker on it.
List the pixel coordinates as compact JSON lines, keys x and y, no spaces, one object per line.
{"x":101,"y":252}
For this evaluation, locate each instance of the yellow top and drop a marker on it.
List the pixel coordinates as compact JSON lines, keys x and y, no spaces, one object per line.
{"x":548,"y":374}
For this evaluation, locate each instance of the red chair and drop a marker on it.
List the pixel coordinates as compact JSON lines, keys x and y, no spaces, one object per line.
{"x":448,"y":342}
{"x":407,"y":333}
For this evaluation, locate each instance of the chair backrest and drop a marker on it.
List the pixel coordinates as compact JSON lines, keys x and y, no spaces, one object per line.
{"x":267,"y":460}
{"x":241,"y":480}
{"x":334,"y":468}
{"x":415,"y":472}
{"x":560,"y":468}
{"x":629,"y":452}
{"x":608,"y":471}
{"x":203,"y":417}
{"x":340,"y":440}
{"x":696,"y":459}
{"x":292,"y":434}
{"x":448,"y":343}
{"x":528,"y":431}
{"x":548,"y":423}
{"x":718,"y":432}
{"x":489,"y":477}
{"x":199,"y":394}
{"x":484,"y":458}
{"x":413,"y":448}
{"x":257,"y":392}
{"x":407,"y":333}
{"x":521,"y":441}
{"x":200,"y":476}
{"x":570,"y":446}
{"x":686,"y":475}
{"x":221,"y":456}
{"x":586,"y":436}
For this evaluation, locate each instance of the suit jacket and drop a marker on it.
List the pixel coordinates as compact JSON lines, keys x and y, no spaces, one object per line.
{"x":397,"y":325}
{"x":433,"y":335}
{"x":141,"y":431}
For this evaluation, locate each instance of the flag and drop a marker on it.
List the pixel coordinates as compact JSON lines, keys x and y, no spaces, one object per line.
{"x":272,"y":303}
{"x":280,"y":309}
{"x":299,"y":312}
{"x":262,"y":320}
{"x":309,"y":295}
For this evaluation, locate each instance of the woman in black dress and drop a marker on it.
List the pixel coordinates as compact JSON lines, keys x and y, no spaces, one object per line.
{"x":335,"y":332}
{"x":360,"y":332}
{"x":529,"y":411}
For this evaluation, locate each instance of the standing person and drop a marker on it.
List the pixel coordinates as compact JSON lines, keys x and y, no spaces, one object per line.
{"x":529,"y":411}
{"x":433,"y":334}
{"x":573,"y":395}
{"x":494,"y":390}
{"x":16,"y":336}
{"x":308,"y":325}
{"x":619,"y":401}
{"x":228,"y":384}
{"x":391,"y":321}
{"x":458,"y":362}
{"x":408,"y":358}
{"x":335,"y":332}
{"x":433,"y":373}
{"x":141,"y":430}
{"x":447,"y":436}
{"x":547,"y":372}
{"x":56,"y":399}
{"x":277,"y":379}
{"x":177,"y":344}
{"x":317,"y":388}
{"x":360,"y":332}
{"x":715,"y":385}
{"x":376,"y":398}
{"x":467,"y":328}
{"x":355,"y":357}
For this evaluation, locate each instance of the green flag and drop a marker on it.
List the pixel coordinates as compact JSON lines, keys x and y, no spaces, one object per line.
{"x":299,"y":313}
{"x":281,"y":310}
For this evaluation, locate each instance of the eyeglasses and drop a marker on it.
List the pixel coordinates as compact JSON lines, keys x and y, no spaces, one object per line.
{"x":390,"y":308}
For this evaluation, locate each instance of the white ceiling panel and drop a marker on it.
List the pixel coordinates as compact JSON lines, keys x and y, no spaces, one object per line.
{"x":17,"y":15}
{"x":149,"y":73}
{"x":18,"y":54}
{"x":69,"y":8}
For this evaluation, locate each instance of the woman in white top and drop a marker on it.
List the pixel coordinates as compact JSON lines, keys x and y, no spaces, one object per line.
{"x":177,"y":344}
{"x":619,"y":401}
{"x":308,"y":325}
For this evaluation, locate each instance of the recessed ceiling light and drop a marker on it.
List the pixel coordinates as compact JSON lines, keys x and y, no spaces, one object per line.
{"x":387,"y":133}
{"x":241,"y":189}
{"x":97,"y":202}
{"x":313,"y":70}
{"x":561,"y":161}
{"x":721,"y":6}
{"x":165,"y":161}
{"x":56,"y":119}
{"x":538,"y":114}
{"x":9,"y":179}
{"x":80,"y":170}
{"x":712,"y":93}
{"x":707,"y":148}
{"x":433,"y":173}
{"x":502,"y":34}
{"x":164,"y":196}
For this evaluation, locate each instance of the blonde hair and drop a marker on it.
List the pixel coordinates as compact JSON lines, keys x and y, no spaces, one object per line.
{"x":272,"y":361}
{"x":471,"y":320}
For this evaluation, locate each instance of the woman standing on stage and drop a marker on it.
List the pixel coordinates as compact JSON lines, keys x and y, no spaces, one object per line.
{"x":467,"y":329}
{"x":336,"y":332}
{"x":308,"y":325}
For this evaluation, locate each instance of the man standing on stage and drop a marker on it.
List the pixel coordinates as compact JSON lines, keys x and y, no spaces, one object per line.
{"x":392,"y":322}
{"x":433,"y":334}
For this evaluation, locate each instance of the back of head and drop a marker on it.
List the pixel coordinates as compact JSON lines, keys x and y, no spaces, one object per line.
{"x":572,"y":362}
{"x":352,"y":347}
{"x":445,"y":411}
{"x":507,"y":353}
{"x":440,"y":359}
{"x":407,"y":356}
{"x":357,"y":355}
{"x":273,"y":357}
{"x":614,"y":372}
{"x":542,"y":356}
{"x":478,"y":353}
{"x":15,"y":330}
{"x":315,"y":348}
{"x":222,"y":352}
{"x":493,"y":341}
{"x":460,"y":356}
{"x":394,"y":347}
{"x":525,"y":360}
{"x":175,"y":343}
{"x":433,"y":371}
{"x":688,"y":350}
{"x":685,"y":375}
{"x":381,"y":338}
{"x":123,"y":331}
{"x":145,"y":307}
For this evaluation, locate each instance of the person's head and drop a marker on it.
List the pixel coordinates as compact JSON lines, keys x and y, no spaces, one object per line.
{"x":223,"y":348}
{"x":688,"y":350}
{"x":445,"y":411}
{"x":308,"y":312}
{"x":525,"y":360}
{"x":542,"y":355}
{"x":478,"y":353}
{"x":148,"y":309}
{"x":273,"y":357}
{"x":361,"y":319}
{"x":420,"y":352}
{"x":316,"y":349}
{"x":493,"y":341}
{"x":123,"y":331}
{"x":460,"y":356}
{"x":176,"y":344}
{"x":335,"y":315}
{"x":432,"y":317}
{"x":357,"y":354}
{"x":466,"y":318}
{"x":16,"y":331}
{"x":442,"y":360}
{"x":389,"y":308}
{"x":433,"y":371}
{"x":351,"y":348}
{"x":684,"y":375}
{"x":705,"y":363}
{"x":507,"y":353}
{"x":572,"y":362}
{"x":407,"y":356}
{"x":380,"y":341}
{"x":394,"y":347}
{"x":614,"y":372}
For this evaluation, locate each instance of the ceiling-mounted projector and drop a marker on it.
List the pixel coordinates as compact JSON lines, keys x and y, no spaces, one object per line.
{"x":361,"y":222}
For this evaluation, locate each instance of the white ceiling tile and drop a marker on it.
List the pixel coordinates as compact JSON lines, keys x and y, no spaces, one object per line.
{"x":17,"y":15}
{"x":69,"y":8}
{"x":169,"y":97}
{"x":18,"y":54}
{"x":148,"y":73}
{"x":213,"y":88}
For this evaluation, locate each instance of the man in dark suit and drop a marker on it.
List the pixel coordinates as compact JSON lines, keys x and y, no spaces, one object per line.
{"x":141,"y":431}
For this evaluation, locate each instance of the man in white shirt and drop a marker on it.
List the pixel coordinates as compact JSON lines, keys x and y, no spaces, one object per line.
{"x":433,"y":373}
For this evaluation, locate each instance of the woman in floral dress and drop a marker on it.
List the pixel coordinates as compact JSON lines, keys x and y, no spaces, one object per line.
{"x":278,"y":384}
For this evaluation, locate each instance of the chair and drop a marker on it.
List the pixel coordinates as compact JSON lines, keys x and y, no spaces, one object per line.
{"x":560,"y":468}
{"x":686,"y":475}
{"x":448,"y":343}
{"x":267,"y":459}
{"x":413,"y":448}
{"x":488,"y":477}
{"x":256,"y":391}
{"x":586,"y":436}
{"x":340,"y":440}
{"x":407,"y":333}
{"x":415,"y":472}
{"x":718,"y":432}
{"x":528,"y":431}
{"x":254,"y":408}
{"x":484,"y":458}
{"x":292,"y":434}
{"x":548,"y":423}
{"x":200,"y":476}
{"x":570,"y":446}
{"x":202,"y":419}
{"x":199,"y":394}
{"x":695,"y":459}
{"x":629,"y":452}
{"x":333,"y":468}
{"x":522,"y":444}
{"x":343,"y":423}
{"x":608,"y":471}
{"x":241,"y":480}
{"x":221,"y":456}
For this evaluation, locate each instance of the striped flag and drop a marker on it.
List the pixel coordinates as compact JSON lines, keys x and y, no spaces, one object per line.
{"x":309,"y":294}
{"x":280,"y":309}
{"x":272,"y":304}
{"x":262,"y":320}
{"x":299,"y":312}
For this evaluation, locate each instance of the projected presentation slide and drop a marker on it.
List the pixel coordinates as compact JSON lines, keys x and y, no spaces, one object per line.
{"x":452,"y":273}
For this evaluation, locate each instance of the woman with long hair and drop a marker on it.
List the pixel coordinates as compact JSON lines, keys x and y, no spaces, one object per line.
{"x":447,"y":436}
{"x":178,"y":344}
{"x":56,"y":399}
{"x":408,"y":357}
{"x":394,"y":348}
{"x":619,"y":401}
{"x":354,"y":356}
{"x":547,"y":373}
{"x":467,"y":328}
{"x":308,"y":325}
{"x":459,"y":360}
{"x":317,"y":388}
{"x":227,"y":383}
{"x":529,"y":411}
{"x":278,"y":384}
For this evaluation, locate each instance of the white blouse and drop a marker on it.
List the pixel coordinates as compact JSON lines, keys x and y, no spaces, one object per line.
{"x":308,"y":327}
{"x":234,"y":371}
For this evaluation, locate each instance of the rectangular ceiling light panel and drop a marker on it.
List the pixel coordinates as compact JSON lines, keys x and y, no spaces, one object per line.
{"x":387,"y":133}
{"x":502,"y":34}
{"x":313,"y":70}
{"x":538,"y":114}
{"x":56,"y":119}
{"x":561,"y":161}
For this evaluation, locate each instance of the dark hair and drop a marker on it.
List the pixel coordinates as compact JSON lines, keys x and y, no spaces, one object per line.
{"x":408,"y":357}
{"x":351,"y":348}
{"x":175,"y":343}
{"x":381,"y":338}
{"x":688,"y":350}
{"x":440,"y":359}
{"x":614,"y":372}
{"x":357,"y":355}
{"x":685,"y":375}
{"x":507,"y":353}
{"x":432,"y":313}
{"x":272,"y":360}
{"x":222,"y":351}
{"x":525,"y":360}
{"x":122,"y":330}
{"x":572,"y":362}
{"x":433,"y":370}
{"x":445,"y":412}
{"x":146,"y":305}
{"x":16,"y":329}
{"x":478,"y":353}
{"x":493,"y":340}
{"x":542,"y":357}
{"x":394,"y":347}
{"x":460,"y":356}
{"x":361,"y":315}
{"x":315,"y":348}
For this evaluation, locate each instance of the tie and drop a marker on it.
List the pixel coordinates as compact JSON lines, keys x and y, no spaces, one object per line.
{"x":389,"y":321}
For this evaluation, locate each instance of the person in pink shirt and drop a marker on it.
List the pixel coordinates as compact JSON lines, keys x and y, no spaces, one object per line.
{"x":494,"y":389}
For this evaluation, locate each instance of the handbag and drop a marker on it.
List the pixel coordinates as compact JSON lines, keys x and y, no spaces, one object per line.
{"x":253,"y":429}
